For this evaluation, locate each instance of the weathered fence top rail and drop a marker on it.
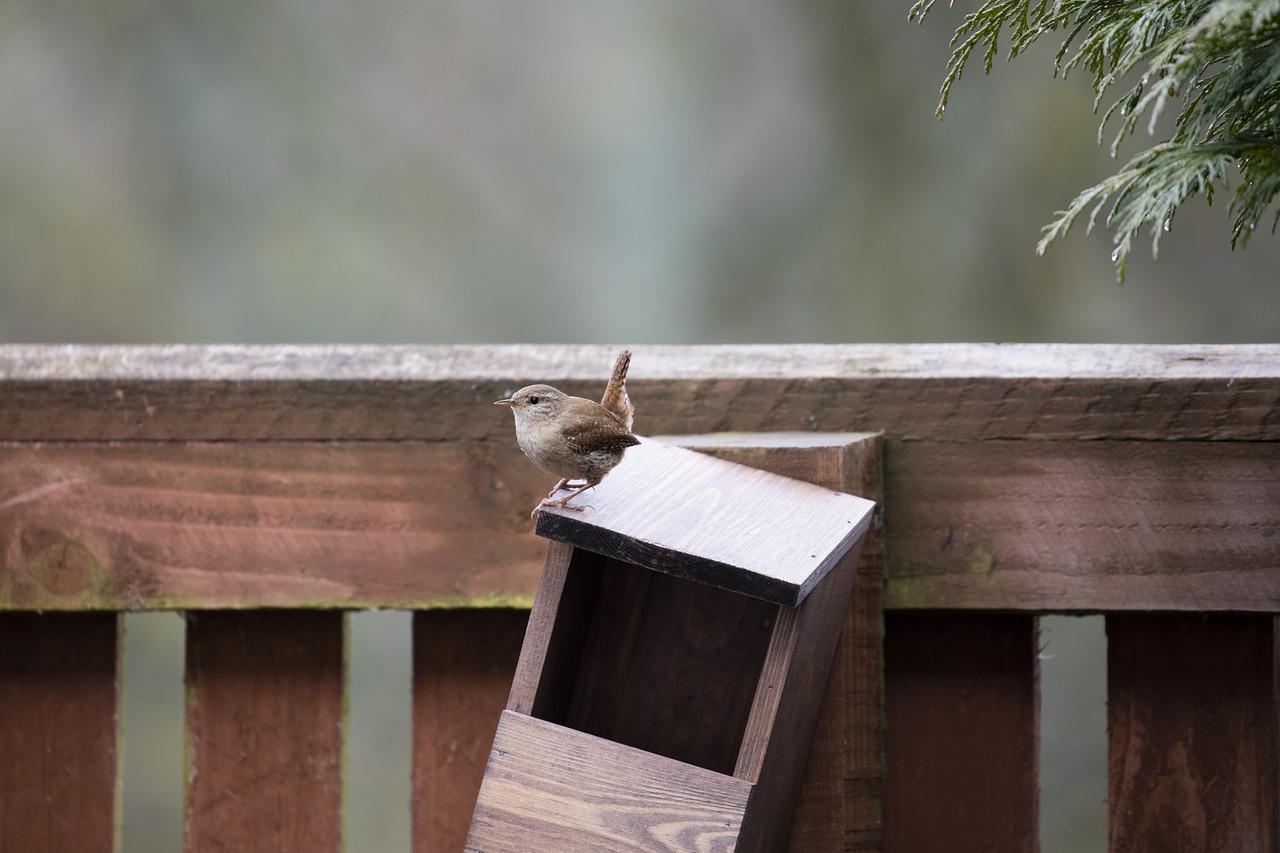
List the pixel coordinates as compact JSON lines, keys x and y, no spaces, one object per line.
{"x":1022,"y":477}
{"x":438,"y":393}
{"x":503,"y":361}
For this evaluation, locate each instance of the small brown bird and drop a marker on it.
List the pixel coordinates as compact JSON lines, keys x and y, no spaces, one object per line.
{"x":571,"y":437}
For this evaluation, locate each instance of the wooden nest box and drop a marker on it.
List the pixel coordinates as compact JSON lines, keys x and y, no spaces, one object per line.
{"x":675,"y":661}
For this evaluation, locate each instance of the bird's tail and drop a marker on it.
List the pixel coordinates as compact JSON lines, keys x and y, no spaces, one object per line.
{"x":615,"y":399}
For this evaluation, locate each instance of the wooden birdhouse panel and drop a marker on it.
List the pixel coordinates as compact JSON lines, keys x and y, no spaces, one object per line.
{"x":602,"y":797}
{"x":625,"y":629}
{"x":684,"y":513}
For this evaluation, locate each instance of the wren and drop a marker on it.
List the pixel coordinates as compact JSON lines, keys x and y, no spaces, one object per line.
{"x":571,"y":437}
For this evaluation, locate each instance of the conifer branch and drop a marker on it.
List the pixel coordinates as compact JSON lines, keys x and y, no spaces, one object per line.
{"x":1217,"y":60}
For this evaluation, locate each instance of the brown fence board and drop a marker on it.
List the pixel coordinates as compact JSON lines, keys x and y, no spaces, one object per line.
{"x":210,"y":525}
{"x":962,"y":702}
{"x":1044,"y":525}
{"x":463,"y":661}
{"x":1084,"y":526}
{"x":441,"y":392}
{"x":1193,"y":715}
{"x":59,"y":732}
{"x":264,"y":725}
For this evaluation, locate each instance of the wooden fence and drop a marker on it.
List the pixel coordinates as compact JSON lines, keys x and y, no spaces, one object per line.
{"x":266,"y":491}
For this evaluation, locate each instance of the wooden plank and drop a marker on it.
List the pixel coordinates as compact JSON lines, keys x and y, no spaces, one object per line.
{"x":738,"y":528}
{"x":59,"y":732}
{"x":669,"y":665}
{"x":1192,"y":716}
{"x":264,"y":725}
{"x":604,"y":636}
{"x":462,"y":665}
{"x":951,"y":391}
{"x":1083,"y":526}
{"x":558,"y":623}
{"x":798,"y":667}
{"x":213,"y":525}
{"x":552,"y":788}
{"x":962,"y":702}
{"x":839,"y":807}
{"x":1057,"y":526}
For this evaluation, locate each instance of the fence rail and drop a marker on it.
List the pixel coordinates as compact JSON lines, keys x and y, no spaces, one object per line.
{"x":267,"y":490}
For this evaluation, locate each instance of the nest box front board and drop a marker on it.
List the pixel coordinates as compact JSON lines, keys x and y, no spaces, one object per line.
{"x":675,"y":661}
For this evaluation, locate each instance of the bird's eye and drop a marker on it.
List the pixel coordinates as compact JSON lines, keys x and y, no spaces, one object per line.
{"x":533,"y":401}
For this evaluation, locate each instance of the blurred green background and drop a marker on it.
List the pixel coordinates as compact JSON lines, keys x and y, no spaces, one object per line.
{"x":658,"y":171}
{"x":616,"y":171}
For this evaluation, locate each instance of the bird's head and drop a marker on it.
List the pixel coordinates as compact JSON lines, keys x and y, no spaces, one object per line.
{"x":534,"y":402}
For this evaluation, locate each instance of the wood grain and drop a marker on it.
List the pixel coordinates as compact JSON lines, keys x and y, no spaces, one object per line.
{"x":601,"y":797}
{"x":669,"y":666}
{"x":1035,"y":525}
{"x":203,"y":525}
{"x":462,"y":665}
{"x":839,"y":807}
{"x":643,"y":659}
{"x":558,"y":623}
{"x":264,"y":725}
{"x":953,"y":391}
{"x":962,"y":702}
{"x":789,"y":699}
{"x":59,"y":732}
{"x":741,"y":529}
{"x":1192,"y":717}
{"x":1083,"y":526}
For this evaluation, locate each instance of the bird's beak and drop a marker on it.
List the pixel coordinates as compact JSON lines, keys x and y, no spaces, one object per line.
{"x":506,"y":402}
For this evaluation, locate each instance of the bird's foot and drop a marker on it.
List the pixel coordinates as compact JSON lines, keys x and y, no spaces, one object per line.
{"x":557,"y":487}
{"x":561,"y":502}
{"x":565,"y":484}
{"x":564,"y":501}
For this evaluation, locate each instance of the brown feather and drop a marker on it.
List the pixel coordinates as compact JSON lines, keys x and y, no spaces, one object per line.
{"x":616,"y":400}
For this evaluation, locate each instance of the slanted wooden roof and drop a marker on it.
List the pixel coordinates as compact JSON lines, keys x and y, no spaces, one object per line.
{"x":726,"y":525}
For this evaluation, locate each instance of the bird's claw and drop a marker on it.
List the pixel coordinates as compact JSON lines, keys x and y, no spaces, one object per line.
{"x":561,"y":502}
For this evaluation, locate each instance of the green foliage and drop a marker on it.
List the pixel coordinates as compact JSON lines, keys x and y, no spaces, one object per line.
{"x":1219,"y":61}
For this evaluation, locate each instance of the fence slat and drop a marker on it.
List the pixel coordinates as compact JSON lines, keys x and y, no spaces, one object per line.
{"x":59,"y":731}
{"x":962,"y":703}
{"x":264,"y":727}
{"x":463,"y":661}
{"x":1193,"y":729}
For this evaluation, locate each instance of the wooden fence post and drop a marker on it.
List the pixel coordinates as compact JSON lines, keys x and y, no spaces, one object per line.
{"x":59,"y":732}
{"x":463,"y":661}
{"x":264,"y":725}
{"x":963,"y":703}
{"x":1193,"y":722}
